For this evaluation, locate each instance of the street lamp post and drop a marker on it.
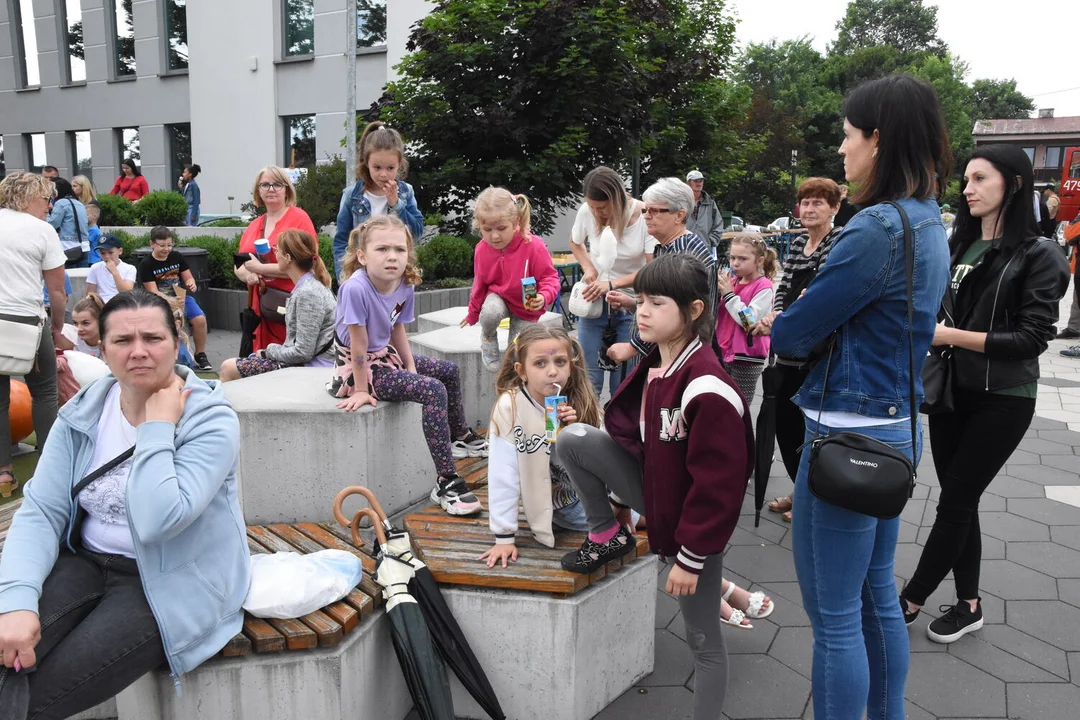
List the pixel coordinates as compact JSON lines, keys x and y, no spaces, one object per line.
{"x":350,"y":93}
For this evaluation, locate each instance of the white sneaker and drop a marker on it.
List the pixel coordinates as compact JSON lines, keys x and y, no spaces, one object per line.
{"x":470,"y":446}
{"x":489,"y":353}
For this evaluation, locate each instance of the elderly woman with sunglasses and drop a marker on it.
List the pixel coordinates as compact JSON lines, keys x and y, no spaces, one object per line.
{"x":274,"y":191}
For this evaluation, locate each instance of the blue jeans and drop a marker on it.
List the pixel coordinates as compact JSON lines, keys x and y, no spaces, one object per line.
{"x":844,"y":561}
{"x":590,"y":334}
{"x":572,"y":517}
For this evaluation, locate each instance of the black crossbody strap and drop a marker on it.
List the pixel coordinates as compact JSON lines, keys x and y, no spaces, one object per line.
{"x":119,"y":459}
{"x":909,"y":271}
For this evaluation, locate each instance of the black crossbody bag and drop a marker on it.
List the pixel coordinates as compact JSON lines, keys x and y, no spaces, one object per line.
{"x":855,"y":471}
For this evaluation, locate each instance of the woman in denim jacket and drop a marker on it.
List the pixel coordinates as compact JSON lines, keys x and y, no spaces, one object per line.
{"x":895,"y":148}
{"x":68,"y":216}
{"x":380,"y":165}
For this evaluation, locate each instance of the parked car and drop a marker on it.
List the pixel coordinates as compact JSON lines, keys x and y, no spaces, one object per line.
{"x":737,"y":224}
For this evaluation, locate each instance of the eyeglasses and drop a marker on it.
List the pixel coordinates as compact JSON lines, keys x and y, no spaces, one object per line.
{"x":164,"y":246}
{"x":271,"y":186}
{"x":653,"y":211}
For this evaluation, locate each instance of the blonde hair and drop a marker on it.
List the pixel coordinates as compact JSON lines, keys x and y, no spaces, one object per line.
{"x":358,"y":240}
{"x":500,"y":203}
{"x":87,"y":192}
{"x":18,"y":189}
{"x":377,"y":137}
{"x":91,"y":304}
{"x":578,"y":391}
{"x":176,"y":304}
{"x":276,"y":175}
{"x":757,"y":244}
{"x":303,"y":248}
{"x":602,"y":184}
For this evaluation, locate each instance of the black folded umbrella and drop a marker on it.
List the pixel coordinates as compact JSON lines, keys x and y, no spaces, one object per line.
{"x":249,"y":323}
{"x":765,"y":436}
{"x":444,"y":629}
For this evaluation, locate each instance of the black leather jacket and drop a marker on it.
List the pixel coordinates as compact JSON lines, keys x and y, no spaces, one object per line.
{"x":1013,"y":297}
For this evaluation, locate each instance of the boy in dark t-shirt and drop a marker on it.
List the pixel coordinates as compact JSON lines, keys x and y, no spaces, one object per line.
{"x":162,"y":273}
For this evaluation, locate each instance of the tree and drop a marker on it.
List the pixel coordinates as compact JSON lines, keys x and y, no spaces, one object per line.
{"x":998,"y":99}
{"x":947,"y":76}
{"x":908,"y":26}
{"x":532,"y":94}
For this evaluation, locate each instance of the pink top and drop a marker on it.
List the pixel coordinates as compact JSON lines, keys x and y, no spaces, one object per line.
{"x":730,"y":334}
{"x":501,"y":271}
{"x":133,"y":188}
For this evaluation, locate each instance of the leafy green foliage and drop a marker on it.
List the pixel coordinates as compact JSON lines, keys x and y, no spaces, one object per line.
{"x":118,"y":211}
{"x":227,"y":223}
{"x":445,"y":256}
{"x":221,"y":252}
{"x":907,"y":26}
{"x":319,"y":191}
{"x":162,"y":207}
{"x":451,"y":283}
{"x":996,"y":99}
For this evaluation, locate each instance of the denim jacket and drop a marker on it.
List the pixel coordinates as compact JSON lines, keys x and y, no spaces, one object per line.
{"x":355,"y":209}
{"x":63,"y":216}
{"x":861,"y":294}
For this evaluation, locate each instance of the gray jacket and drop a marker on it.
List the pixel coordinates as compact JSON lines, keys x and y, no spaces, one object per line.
{"x":706,"y":221}
{"x":309,"y":324}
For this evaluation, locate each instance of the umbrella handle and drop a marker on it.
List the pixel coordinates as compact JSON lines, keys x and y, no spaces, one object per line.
{"x":373,"y":501}
{"x":354,"y":527}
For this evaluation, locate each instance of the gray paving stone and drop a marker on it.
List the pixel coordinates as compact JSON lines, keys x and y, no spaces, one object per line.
{"x":1043,"y":702}
{"x":674,"y":662}
{"x":1006,"y":526}
{"x":667,"y":608}
{"x":750,"y":642}
{"x":794,"y":647}
{"x":1044,"y":447}
{"x":762,"y":564}
{"x":1047,"y":557}
{"x":914,"y":712}
{"x":1027,"y":648}
{"x":1050,"y":512}
{"x":787,"y":613}
{"x":992,"y":548}
{"x":675,"y":703}
{"x":1038,"y":423}
{"x":1008,"y":486}
{"x":906,"y":559}
{"x":1025,"y":457}
{"x":1068,"y":463}
{"x":1074,"y":667}
{"x":1011,"y":581}
{"x":761,"y":687}
{"x":908,"y":532}
{"x":1052,"y":621}
{"x":993,"y":503}
{"x":913,"y":511}
{"x":1042,"y":474}
{"x":1065,"y":437}
{"x":787,"y":591}
{"x":1067,"y":535}
{"x":946,"y":686}
{"x":1005,"y":667}
{"x":1069,"y":591}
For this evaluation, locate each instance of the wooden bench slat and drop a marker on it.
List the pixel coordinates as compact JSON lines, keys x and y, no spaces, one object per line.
{"x":326,"y":629}
{"x":264,"y":638}
{"x":327,"y":539}
{"x":344,"y":615}
{"x":455,"y":568}
{"x":421,"y":530}
{"x":297,"y":635}
{"x":239,"y":645}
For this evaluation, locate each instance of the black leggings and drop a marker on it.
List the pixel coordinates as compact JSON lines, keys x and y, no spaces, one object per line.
{"x":970,"y":444}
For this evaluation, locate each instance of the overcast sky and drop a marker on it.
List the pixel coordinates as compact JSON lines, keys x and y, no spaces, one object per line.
{"x":1037,"y":43}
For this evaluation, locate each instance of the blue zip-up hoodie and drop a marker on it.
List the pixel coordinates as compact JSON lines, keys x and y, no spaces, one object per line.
{"x":861,"y":292}
{"x":355,"y":209}
{"x":182,"y":506}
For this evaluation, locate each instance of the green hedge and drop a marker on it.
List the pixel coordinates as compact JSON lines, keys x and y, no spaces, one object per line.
{"x":445,"y":256}
{"x":162,"y":207}
{"x":117,"y":211}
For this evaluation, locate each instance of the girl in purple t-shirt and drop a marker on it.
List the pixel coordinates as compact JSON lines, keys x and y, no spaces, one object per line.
{"x":373,"y":305}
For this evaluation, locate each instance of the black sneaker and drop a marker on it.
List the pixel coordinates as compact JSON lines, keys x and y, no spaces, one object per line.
{"x":957,"y":622}
{"x":909,"y":617}
{"x":202,"y":363}
{"x":1067,"y":334}
{"x":472,"y":445}
{"x":592,"y":556}
{"x":454,"y":496}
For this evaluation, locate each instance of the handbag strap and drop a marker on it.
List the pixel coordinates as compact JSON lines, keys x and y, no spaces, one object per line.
{"x":75,"y":214}
{"x":909,"y":271}
{"x":119,"y":459}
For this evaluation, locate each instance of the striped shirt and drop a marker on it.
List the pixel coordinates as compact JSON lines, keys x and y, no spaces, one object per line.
{"x":797,"y":261}
{"x":691,"y":244}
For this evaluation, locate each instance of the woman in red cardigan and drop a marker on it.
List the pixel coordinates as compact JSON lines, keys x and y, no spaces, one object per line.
{"x":131,"y":183}
{"x":274,"y":191}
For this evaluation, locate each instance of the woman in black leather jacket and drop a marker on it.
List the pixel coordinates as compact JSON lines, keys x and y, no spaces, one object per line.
{"x":998,"y":317}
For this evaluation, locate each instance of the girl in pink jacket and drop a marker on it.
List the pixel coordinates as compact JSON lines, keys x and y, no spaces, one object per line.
{"x":746,"y":296}
{"x":512,"y":271}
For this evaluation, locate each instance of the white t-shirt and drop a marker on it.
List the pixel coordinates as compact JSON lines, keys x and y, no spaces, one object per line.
{"x":27,"y":247}
{"x":635,"y":242}
{"x":378,"y":203}
{"x":106,"y":529}
{"x":106,"y":284}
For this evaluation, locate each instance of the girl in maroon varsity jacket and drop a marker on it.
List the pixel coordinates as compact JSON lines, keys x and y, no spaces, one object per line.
{"x":679,"y":449}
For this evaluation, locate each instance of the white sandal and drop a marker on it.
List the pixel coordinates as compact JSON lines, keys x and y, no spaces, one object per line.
{"x":737,"y":616}
{"x":754,"y":608}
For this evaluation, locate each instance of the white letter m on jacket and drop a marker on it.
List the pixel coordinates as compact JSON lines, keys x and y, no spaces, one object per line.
{"x":672,"y":426}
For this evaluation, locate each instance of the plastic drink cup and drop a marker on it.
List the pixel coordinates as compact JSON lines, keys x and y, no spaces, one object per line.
{"x":262,"y":249}
{"x":552,"y":425}
{"x":528,"y":289}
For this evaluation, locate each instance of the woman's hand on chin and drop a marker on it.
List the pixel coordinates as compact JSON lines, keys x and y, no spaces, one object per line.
{"x":167,"y":404}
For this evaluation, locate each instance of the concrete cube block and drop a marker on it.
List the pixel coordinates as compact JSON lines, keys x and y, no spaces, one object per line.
{"x":297,"y":449}
{"x":559,"y":659}
{"x":462,"y":346}
{"x":105,"y":711}
{"x":360,"y":679}
{"x":78,"y":285}
{"x":452,"y":317}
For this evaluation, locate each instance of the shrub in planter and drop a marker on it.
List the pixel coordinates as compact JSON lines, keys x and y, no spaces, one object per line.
{"x":221,"y":252}
{"x":119,"y":211}
{"x":326,"y":252}
{"x":162,"y":207}
{"x":131,"y":243}
{"x":445,"y":256}
{"x":318,"y":192}
{"x":227,"y":223}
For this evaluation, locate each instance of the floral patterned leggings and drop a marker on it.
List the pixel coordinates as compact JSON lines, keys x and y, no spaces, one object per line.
{"x":436,"y":385}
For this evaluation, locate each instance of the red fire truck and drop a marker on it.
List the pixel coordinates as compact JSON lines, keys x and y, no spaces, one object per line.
{"x":1069,"y":190}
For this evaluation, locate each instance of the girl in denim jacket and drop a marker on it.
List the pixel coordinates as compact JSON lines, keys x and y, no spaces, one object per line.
{"x":379,"y":190}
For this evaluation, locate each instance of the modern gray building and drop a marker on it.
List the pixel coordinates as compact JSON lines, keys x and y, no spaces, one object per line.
{"x":233,"y":85}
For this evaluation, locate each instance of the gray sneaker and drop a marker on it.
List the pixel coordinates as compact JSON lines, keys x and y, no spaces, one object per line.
{"x":1073,"y":351}
{"x":489,"y":353}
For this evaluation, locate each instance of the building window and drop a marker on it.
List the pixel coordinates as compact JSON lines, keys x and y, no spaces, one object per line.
{"x":127,"y":139}
{"x":299,"y":23}
{"x":1030,"y":152}
{"x":176,"y":33}
{"x":26,"y":37}
{"x":72,"y":23}
{"x":179,"y":148}
{"x":1054,"y":156}
{"x":123,"y":25}
{"x":36,"y":146}
{"x":82,"y":161}
{"x":300,"y":141}
{"x":370,"y":23}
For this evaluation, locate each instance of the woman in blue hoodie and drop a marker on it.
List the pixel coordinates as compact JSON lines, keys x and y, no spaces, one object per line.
{"x":144,"y":566}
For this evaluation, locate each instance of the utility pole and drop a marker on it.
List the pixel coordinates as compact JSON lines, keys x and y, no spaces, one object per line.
{"x":350,"y":93}
{"x":794,"y":189}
